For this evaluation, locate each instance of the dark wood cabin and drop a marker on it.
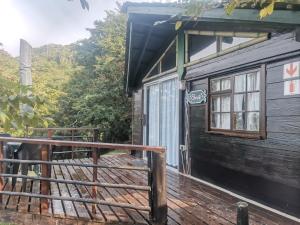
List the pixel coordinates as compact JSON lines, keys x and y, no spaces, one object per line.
{"x":222,"y":93}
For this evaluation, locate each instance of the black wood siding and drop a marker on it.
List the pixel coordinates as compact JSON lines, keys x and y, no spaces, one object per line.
{"x":266,"y":170}
{"x":137,"y":111}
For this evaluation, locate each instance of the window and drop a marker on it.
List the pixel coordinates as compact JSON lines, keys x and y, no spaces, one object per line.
{"x":235,"y":103}
{"x":229,"y":42}
{"x":208,"y":44}
{"x":169,"y":60}
{"x":166,"y":62}
{"x":201,"y":46}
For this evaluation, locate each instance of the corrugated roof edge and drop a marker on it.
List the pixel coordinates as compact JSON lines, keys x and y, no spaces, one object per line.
{"x":125,"y":6}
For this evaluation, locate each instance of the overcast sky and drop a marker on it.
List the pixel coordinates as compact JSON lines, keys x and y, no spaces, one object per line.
{"x":48,"y":21}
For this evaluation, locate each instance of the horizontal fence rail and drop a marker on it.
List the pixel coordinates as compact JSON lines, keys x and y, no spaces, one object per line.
{"x":156,"y":170}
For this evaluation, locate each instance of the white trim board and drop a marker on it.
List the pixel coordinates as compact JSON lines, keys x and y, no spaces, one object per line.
{"x":239,"y":196}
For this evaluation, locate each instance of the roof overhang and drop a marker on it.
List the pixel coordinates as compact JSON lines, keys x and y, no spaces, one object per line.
{"x":151,"y":27}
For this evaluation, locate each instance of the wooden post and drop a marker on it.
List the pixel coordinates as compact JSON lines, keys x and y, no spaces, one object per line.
{"x":96,"y":135}
{"x":242,"y":213}
{"x":1,"y":170}
{"x":72,"y":138}
{"x":159,"y":189}
{"x":94,"y":189}
{"x":50,"y":134}
{"x":45,"y":185}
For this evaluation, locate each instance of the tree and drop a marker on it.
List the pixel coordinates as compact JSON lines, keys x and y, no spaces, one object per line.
{"x":95,"y":94}
{"x":18,"y":109}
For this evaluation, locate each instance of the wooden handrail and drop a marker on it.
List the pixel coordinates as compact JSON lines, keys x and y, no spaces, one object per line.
{"x":63,"y":129}
{"x":97,"y":145}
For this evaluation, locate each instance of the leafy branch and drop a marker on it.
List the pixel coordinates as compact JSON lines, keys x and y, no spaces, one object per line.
{"x":19,"y":108}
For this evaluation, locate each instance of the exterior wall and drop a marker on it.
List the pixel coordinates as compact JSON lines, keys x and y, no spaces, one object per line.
{"x":266,"y":170}
{"x":137,"y":112}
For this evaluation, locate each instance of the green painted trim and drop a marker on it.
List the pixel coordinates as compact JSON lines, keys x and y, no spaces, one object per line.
{"x":219,"y":15}
{"x":252,"y":15}
{"x":181,"y":54}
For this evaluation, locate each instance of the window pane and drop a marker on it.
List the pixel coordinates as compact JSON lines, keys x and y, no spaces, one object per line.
{"x":253,"y":82}
{"x":228,"y":42}
{"x":239,"y":122}
{"x":253,"y":101}
{"x":253,"y":121}
{"x":155,"y":70}
{"x":201,"y":46}
{"x":225,"y":84}
{"x":239,"y":102}
{"x":169,"y":60}
{"x":225,"y":120}
{"x":215,"y":120}
{"x":215,"y":85}
{"x":240,"y":83}
{"x":225,"y":103}
{"x":215,"y":104}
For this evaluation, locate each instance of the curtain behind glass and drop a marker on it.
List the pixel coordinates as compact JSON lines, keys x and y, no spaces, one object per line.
{"x":169,"y":120}
{"x":153,"y":115}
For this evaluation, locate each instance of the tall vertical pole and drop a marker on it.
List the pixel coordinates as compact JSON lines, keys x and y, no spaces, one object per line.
{"x":25,"y":63}
{"x":25,"y":68}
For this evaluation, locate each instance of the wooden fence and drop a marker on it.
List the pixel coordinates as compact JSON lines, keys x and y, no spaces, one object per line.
{"x":156,"y":175}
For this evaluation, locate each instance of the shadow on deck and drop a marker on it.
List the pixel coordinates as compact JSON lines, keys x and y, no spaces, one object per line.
{"x":189,"y":202}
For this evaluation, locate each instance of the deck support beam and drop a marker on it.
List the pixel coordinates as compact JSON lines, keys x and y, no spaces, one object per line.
{"x":159,"y":207}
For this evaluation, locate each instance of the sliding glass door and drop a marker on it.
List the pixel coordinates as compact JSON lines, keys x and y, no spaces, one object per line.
{"x":162,"y":108}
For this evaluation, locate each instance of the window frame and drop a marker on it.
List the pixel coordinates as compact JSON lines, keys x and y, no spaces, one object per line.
{"x":257,"y":38}
{"x":261,"y":133}
{"x":158,"y":63}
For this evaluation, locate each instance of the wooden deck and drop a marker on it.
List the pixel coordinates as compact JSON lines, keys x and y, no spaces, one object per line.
{"x":189,"y":202}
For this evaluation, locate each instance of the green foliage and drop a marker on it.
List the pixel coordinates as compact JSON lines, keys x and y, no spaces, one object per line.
{"x":195,"y":8}
{"x":95,"y":94}
{"x":19,"y":108}
{"x":52,"y":68}
{"x":76,"y":85}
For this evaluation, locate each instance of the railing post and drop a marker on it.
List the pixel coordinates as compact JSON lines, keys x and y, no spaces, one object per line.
{"x":50,"y":134}
{"x":94,"y":189}
{"x":45,"y":185}
{"x":1,"y":169}
{"x":242,"y":213}
{"x":72,"y":138}
{"x":96,"y":135}
{"x":159,"y":188}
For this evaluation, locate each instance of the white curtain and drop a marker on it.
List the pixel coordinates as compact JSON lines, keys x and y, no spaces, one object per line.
{"x":169,"y":120}
{"x":153,"y":114}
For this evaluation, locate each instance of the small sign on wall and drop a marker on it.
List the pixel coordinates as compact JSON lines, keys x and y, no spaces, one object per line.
{"x":291,"y":72}
{"x":197,"y":97}
{"x":291,"y":87}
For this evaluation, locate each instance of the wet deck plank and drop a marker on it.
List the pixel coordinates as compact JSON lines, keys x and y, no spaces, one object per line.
{"x":189,"y":202}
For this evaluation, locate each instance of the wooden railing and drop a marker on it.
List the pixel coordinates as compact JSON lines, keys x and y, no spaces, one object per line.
{"x":156,"y":173}
{"x":84,"y":134}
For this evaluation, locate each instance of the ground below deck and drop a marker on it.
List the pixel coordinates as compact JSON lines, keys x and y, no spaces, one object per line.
{"x":189,"y":202}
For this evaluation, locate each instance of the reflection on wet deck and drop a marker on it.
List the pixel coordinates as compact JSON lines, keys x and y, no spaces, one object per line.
{"x":189,"y":202}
